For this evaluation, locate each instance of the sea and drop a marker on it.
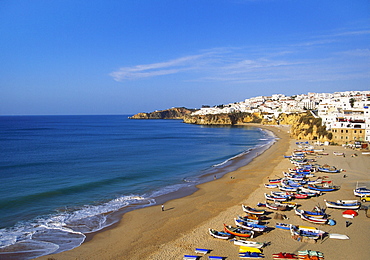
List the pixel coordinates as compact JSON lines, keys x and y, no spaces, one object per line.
{"x":65,"y":177}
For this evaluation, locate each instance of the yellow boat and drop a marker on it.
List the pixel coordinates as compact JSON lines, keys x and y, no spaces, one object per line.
{"x":244,"y":249}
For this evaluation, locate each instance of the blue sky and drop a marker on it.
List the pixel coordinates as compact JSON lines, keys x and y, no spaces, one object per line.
{"x":124,"y":57}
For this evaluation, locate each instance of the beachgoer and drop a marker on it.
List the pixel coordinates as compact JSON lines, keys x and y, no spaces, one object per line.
{"x":162,"y":207}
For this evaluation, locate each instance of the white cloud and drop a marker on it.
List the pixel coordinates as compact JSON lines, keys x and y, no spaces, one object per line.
{"x":156,"y":69}
{"x":312,"y":60}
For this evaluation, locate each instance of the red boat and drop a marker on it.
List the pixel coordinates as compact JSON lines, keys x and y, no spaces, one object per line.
{"x":300,"y":196}
{"x":275,"y":180}
{"x":282,"y":255}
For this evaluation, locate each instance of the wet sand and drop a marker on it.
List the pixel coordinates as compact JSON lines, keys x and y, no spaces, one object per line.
{"x":151,"y":233}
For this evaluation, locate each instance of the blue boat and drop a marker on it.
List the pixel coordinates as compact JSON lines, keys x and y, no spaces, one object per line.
{"x":250,"y":255}
{"x":282,"y":226}
{"x":202,"y":251}
{"x":323,"y":187}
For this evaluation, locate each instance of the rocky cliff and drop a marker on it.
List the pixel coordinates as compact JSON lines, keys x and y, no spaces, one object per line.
{"x":172,"y":113}
{"x":305,"y":126}
{"x":223,"y":119}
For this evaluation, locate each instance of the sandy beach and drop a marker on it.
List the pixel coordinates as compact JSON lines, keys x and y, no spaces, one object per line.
{"x":151,"y":233}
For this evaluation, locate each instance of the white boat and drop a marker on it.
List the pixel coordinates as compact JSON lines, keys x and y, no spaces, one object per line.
{"x":338,"y":236}
{"x":310,"y":191}
{"x":249,"y":243}
{"x":271,"y":186}
{"x":275,"y":198}
{"x":361,"y":191}
{"x":343,"y":204}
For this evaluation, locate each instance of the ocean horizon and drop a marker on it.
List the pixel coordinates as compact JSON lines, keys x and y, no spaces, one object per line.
{"x":63,"y":177}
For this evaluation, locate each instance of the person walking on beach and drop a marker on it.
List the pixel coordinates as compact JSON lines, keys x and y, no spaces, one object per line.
{"x":162,"y":207}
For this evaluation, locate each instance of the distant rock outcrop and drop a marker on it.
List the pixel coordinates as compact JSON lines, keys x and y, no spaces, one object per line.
{"x":223,"y":119}
{"x":172,"y":113}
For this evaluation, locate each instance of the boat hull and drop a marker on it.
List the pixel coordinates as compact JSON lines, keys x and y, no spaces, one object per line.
{"x":342,"y":205}
{"x":237,"y":231}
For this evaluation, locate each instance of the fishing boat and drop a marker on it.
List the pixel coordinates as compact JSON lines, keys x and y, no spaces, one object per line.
{"x":294,"y":177}
{"x":281,"y":194}
{"x":303,"y":189}
{"x":282,"y":226}
{"x":309,"y":194}
{"x":314,"y":220}
{"x":324,"y":187}
{"x":275,"y":180}
{"x":191,"y":257}
{"x":249,"y":243}
{"x":317,"y":181}
{"x":292,"y":183}
{"x":251,"y":255}
{"x":287,"y":188}
{"x":314,"y":214}
{"x":219,"y":234}
{"x":328,"y":169}
{"x":338,"y":236}
{"x":249,"y":226}
{"x":270,"y":186}
{"x":288,"y":204}
{"x":275,"y":198}
{"x":300,"y":196}
{"x":249,"y":220}
{"x":243,"y":249}
{"x":361,"y":191}
{"x":343,"y":204}
{"x":286,"y":256}
{"x":276,"y":206}
{"x":237,"y":231}
{"x":309,"y":232}
{"x":248,"y":209}
{"x":202,"y":251}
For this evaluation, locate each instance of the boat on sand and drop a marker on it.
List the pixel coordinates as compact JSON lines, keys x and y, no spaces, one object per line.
{"x":237,"y":231}
{"x":219,"y":234}
{"x":343,"y":204}
{"x":251,"y":210}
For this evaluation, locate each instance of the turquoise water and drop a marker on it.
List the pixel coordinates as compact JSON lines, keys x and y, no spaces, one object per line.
{"x":61,"y":176}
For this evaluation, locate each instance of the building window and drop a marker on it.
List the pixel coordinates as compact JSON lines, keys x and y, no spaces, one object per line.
{"x":346,"y":131}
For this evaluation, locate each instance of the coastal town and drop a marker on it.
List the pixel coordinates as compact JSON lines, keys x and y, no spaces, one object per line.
{"x":345,"y":114}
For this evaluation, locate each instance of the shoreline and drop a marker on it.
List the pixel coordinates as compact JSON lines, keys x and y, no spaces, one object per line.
{"x":133,"y":218}
{"x":149,"y":233}
{"x":238,"y":161}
